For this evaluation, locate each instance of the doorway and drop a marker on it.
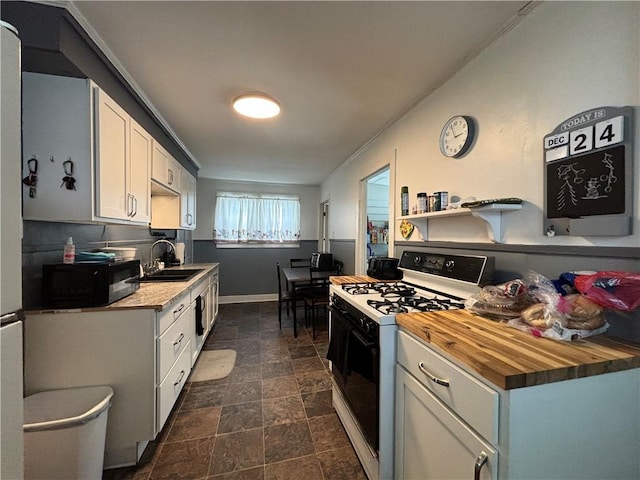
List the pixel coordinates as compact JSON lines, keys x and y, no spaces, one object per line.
{"x":324,"y":227}
{"x":376,"y":232}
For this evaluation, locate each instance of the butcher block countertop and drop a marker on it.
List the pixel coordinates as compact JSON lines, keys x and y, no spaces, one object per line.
{"x":342,"y":279}
{"x":510,"y":358}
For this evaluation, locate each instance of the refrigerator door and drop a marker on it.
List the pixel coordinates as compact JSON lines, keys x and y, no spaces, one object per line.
{"x":11,"y":408}
{"x":11,"y":183}
{"x":11,"y":379}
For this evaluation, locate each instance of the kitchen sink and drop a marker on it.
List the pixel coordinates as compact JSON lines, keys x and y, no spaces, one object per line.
{"x":183,"y":275}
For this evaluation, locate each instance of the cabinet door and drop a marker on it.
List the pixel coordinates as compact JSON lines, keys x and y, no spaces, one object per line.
{"x":191,"y":202}
{"x":174,"y":175}
{"x":188,"y":202}
{"x":431,"y":441}
{"x":160,"y":164}
{"x":139,"y":186}
{"x":112,"y":150}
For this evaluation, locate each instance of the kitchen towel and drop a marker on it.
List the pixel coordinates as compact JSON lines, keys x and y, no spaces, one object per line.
{"x":199,"y":326}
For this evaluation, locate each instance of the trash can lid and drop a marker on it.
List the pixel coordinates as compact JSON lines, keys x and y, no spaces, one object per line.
{"x":66,"y":408}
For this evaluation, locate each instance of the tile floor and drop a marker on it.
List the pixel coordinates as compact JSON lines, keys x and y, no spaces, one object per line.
{"x":270,"y":419}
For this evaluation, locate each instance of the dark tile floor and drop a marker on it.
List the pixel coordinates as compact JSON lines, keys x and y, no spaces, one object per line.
{"x":270,"y":419}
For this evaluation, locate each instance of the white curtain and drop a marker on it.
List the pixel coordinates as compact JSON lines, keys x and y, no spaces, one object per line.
{"x":242,"y":218}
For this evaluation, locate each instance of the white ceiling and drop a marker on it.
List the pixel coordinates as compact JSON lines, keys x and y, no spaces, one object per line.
{"x":342,"y":71}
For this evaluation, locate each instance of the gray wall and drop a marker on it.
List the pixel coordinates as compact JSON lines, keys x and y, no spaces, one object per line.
{"x":249,"y":271}
{"x":43,"y":242}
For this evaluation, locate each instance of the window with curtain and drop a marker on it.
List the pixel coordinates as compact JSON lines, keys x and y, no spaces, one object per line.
{"x":256,"y":219}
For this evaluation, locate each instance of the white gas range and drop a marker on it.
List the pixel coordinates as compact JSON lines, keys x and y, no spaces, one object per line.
{"x":362,"y":345}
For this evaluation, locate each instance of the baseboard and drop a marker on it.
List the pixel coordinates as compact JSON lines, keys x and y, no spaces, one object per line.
{"x":267,"y":297}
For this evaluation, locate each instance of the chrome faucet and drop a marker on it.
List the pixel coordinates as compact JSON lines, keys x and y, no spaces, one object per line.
{"x":173,"y":247}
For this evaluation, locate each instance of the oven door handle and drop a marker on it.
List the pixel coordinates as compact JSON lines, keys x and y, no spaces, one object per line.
{"x":365,"y":343}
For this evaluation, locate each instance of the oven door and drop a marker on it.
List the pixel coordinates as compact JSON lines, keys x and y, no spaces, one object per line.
{"x":355,"y":369}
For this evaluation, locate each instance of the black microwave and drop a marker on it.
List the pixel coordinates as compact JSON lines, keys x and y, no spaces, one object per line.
{"x":82,"y":285}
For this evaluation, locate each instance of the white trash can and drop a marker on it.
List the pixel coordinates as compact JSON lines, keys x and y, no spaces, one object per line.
{"x":64,"y":433}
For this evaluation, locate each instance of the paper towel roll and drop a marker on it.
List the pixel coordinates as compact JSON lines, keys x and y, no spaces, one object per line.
{"x":180,"y":252}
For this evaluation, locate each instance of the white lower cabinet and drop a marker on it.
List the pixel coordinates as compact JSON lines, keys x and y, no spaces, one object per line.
{"x":432,"y":441}
{"x":172,"y":385}
{"x":173,"y":342}
{"x":199,"y":305}
{"x":143,"y":354}
{"x":453,"y":424}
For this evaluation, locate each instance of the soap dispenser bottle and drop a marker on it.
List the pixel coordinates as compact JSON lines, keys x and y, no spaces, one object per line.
{"x":69,"y":255}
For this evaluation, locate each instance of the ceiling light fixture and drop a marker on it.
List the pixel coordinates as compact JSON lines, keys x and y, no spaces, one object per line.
{"x":256,"y":105}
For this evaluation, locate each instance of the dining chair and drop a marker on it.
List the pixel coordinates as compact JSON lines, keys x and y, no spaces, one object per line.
{"x":286,"y":296}
{"x":300,"y":262}
{"x":317,"y":296}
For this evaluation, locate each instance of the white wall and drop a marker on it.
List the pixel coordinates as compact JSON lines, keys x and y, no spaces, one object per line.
{"x":564,"y":58}
{"x":207,"y":189}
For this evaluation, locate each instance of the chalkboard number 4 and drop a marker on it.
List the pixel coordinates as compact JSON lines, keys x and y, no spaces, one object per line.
{"x":608,"y":132}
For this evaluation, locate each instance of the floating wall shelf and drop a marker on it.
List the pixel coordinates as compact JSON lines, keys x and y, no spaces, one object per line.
{"x":491,"y":214}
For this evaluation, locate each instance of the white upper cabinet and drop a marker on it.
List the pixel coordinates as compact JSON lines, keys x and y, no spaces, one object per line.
{"x":139,"y":187}
{"x":188,"y":201}
{"x":175,"y":211}
{"x":165,"y":171}
{"x":112,"y":152}
{"x":89,"y":155}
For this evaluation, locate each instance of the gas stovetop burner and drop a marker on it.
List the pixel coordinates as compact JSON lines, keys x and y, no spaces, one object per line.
{"x":413,"y":303}
{"x":398,"y":292}
{"x":387,"y":306}
{"x":359,"y":288}
{"x":431,"y":304}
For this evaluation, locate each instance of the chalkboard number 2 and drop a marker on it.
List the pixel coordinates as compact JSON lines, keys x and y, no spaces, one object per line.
{"x":608,"y":132}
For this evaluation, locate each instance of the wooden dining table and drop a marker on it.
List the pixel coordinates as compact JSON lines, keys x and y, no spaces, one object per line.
{"x":299,"y":277}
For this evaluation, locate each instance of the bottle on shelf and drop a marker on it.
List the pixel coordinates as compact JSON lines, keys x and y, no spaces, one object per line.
{"x":404,"y":201}
{"x":69,"y":255}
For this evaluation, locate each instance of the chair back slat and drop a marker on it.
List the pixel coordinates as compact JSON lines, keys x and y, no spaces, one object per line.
{"x":300,"y":262}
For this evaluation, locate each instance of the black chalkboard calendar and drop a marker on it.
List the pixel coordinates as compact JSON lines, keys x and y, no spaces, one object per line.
{"x":588,"y":177}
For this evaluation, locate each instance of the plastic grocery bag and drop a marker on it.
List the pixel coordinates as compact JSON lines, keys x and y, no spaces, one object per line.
{"x":611,"y":289}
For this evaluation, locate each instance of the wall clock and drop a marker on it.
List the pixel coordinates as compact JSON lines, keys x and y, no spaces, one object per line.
{"x":457,"y":136}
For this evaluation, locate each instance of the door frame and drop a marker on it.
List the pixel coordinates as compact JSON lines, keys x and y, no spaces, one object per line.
{"x":324,"y":245}
{"x":361,"y":227}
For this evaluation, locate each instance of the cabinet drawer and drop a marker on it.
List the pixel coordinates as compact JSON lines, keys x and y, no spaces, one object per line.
{"x":172,"y":385}
{"x":171,"y":344}
{"x":200,"y":288}
{"x":469,"y":398}
{"x":172,"y":312}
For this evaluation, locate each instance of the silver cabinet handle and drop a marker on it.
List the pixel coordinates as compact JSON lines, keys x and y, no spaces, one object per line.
{"x":432,"y":377}
{"x":179,"y":378}
{"x":135,"y":206}
{"x":180,"y":338}
{"x":170,"y":177}
{"x":480,"y":462}
{"x":129,"y":206}
{"x":178,"y":310}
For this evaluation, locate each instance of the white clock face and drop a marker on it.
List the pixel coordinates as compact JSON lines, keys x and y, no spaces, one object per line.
{"x":456,"y":136}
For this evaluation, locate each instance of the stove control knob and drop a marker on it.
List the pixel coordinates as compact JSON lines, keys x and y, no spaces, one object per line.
{"x":449,"y":264}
